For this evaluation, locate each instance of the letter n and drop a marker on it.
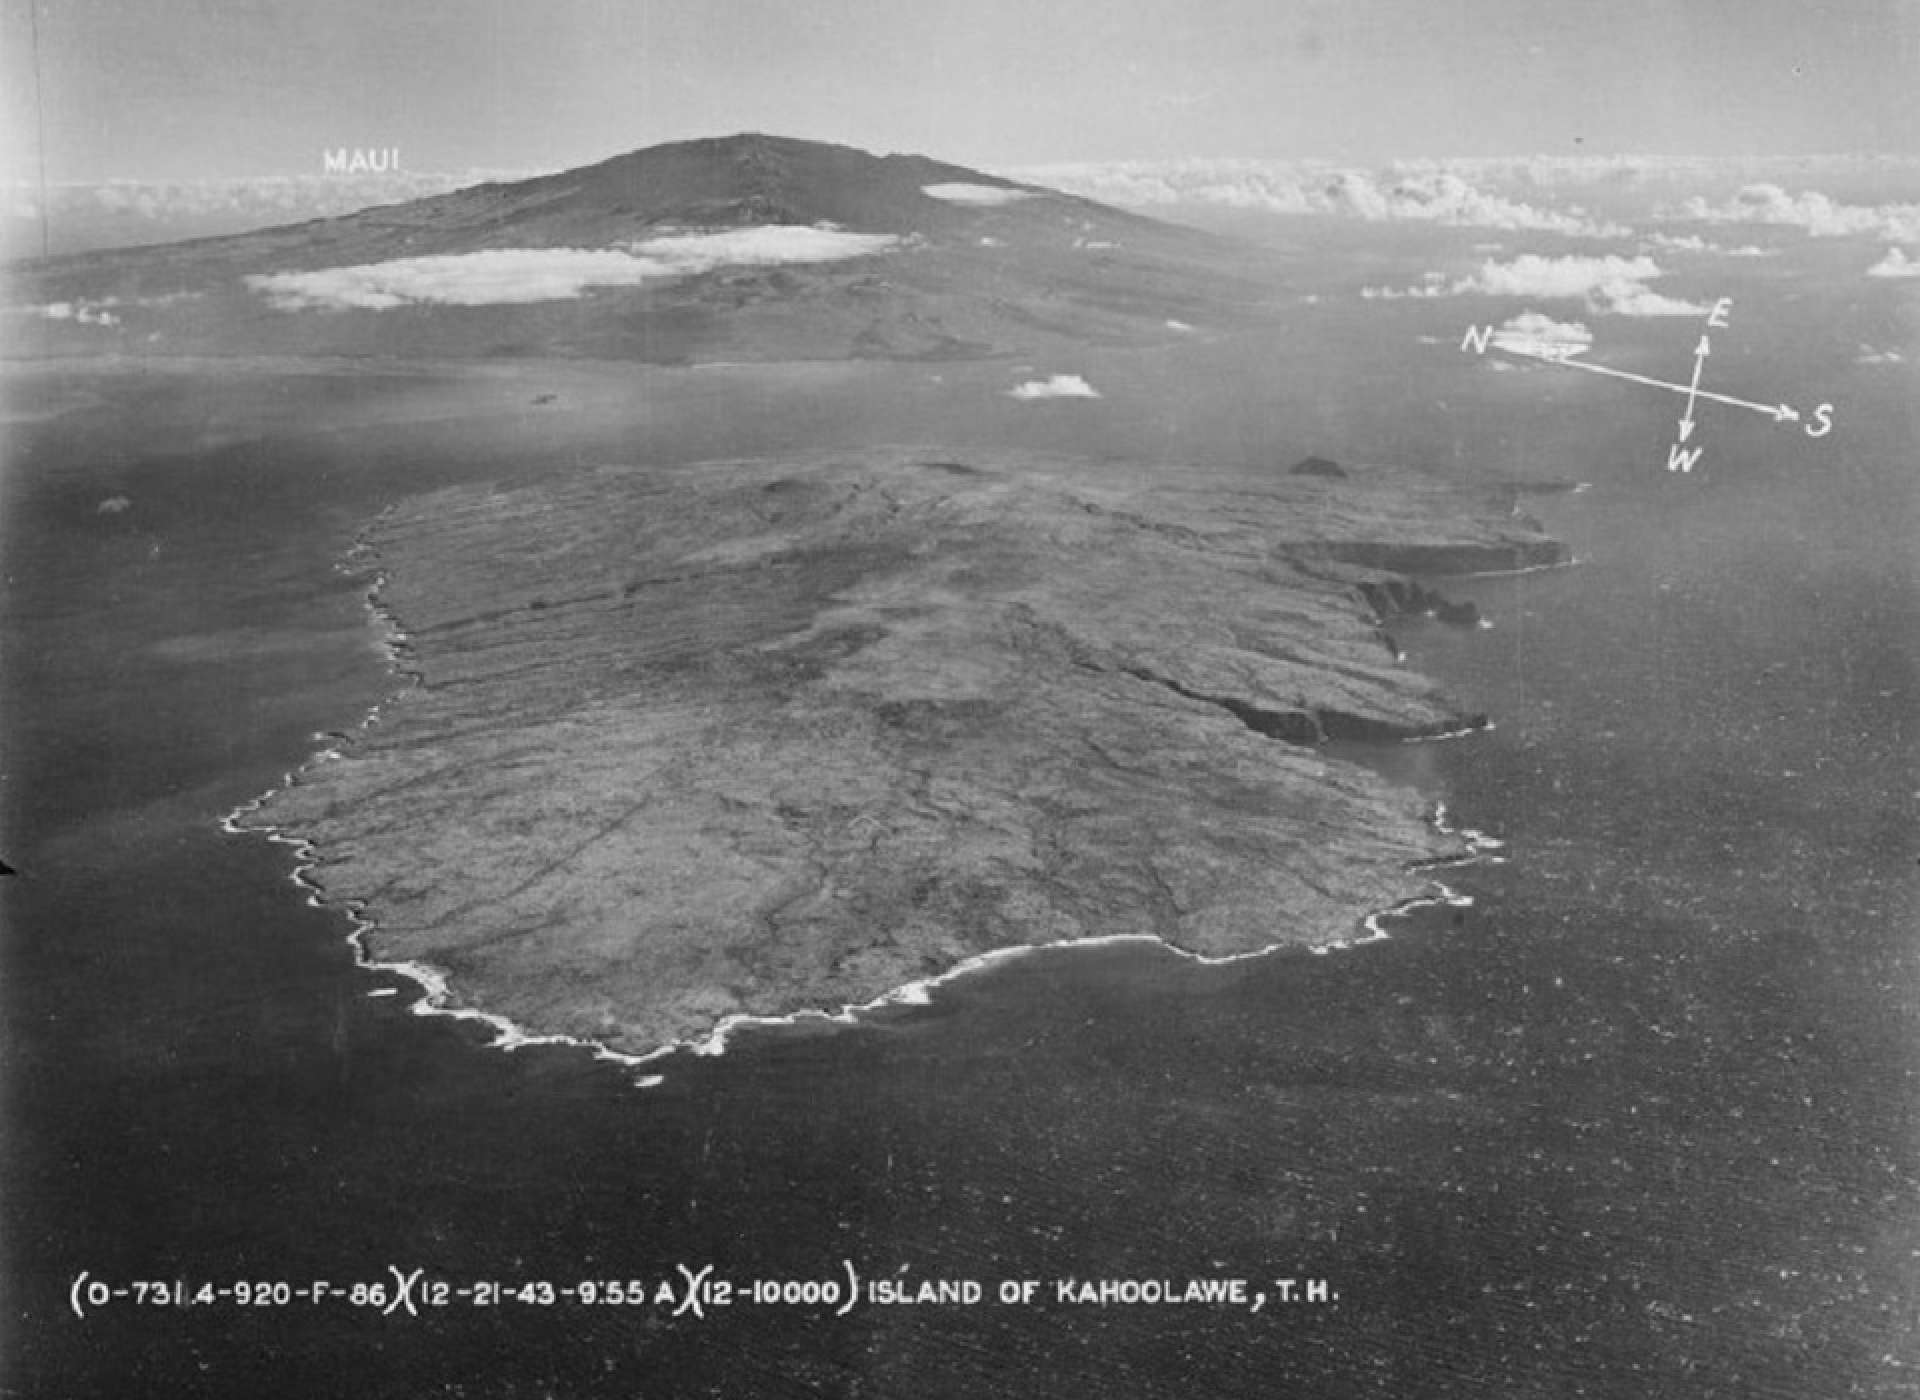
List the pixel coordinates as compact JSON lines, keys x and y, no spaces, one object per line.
{"x":1682,"y":459}
{"x":1477,"y":337}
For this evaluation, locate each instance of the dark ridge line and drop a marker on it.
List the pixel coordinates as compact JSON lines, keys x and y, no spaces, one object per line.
{"x":1302,"y":727}
{"x":1311,"y":728}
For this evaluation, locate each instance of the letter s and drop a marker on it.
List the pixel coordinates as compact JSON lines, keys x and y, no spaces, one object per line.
{"x":1822,"y":421}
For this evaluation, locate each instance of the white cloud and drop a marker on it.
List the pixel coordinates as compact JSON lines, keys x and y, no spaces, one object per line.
{"x":113,"y":505}
{"x":86,"y":313}
{"x":1433,"y":286}
{"x":1610,"y":285}
{"x":1274,"y":187}
{"x":1530,"y":274}
{"x":1694,"y":243}
{"x":519,"y":275}
{"x":1445,"y":198}
{"x":1895,"y":264}
{"x":1870,"y":356}
{"x":95,"y":311}
{"x":1532,"y":333}
{"x":1060,"y":386}
{"x":762,"y":246}
{"x":982,"y":195}
{"x":1810,"y":210}
{"x":1632,"y":299}
{"x":456,"y":279}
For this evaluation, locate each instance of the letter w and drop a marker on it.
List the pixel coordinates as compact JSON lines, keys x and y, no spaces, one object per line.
{"x":1682,"y":460}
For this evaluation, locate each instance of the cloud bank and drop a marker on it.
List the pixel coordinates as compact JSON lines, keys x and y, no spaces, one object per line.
{"x":1445,"y":198}
{"x":1437,"y":196}
{"x":1060,"y":386}
{"x":117,"y":213}
{"x":1694,"y":243}
{"x":500,"y":276}
{"x":1609,"y":285}
{"x":1810,"y":210}
{"x":510,"y":276}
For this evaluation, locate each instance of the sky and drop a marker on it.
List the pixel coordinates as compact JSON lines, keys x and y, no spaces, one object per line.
{"x":195,"y":89}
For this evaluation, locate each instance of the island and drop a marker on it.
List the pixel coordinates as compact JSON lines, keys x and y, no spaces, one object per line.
{"x":675,"y":745}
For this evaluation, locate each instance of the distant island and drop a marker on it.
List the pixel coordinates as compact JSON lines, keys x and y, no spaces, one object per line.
{"x":747,"y":247}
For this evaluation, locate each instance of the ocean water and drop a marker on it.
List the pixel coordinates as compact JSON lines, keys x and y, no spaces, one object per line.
{"x":1638,"y":1122}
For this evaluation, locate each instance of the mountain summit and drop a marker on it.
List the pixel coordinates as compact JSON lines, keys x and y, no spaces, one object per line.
{"x":748,"y":246}
{"x":749,"y":179}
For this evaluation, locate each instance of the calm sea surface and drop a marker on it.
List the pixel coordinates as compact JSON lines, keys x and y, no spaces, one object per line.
{"x":1641,"y":1122}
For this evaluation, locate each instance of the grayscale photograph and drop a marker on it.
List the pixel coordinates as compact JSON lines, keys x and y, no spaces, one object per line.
{"x":1178,"y":699}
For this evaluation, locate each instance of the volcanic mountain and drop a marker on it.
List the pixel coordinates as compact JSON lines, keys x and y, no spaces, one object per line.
{"x":743,"y":247}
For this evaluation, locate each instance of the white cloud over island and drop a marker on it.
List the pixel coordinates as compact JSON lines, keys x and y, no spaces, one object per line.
{"x":982,"y":195}
{"x":510,"y":276}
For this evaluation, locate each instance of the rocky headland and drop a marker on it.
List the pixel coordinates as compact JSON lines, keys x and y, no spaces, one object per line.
{"x":678,"y":744}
